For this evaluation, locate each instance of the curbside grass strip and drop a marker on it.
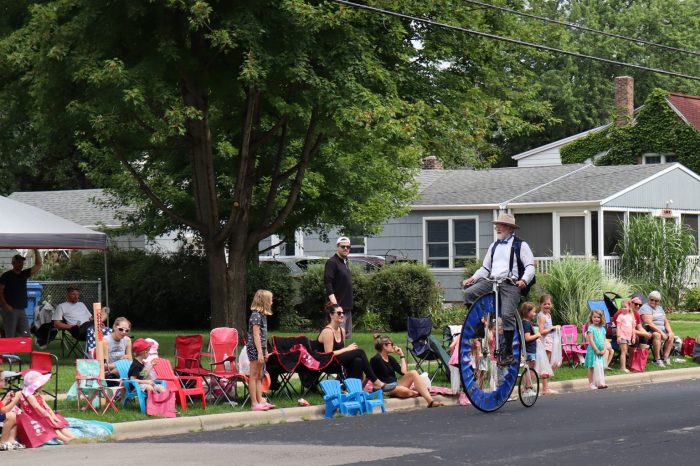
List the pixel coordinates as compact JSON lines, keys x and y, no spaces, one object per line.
{"x":210,"y":422}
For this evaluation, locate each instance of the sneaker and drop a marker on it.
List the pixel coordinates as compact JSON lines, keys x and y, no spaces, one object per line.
{"x":593,"y":387}
{"x":626,"y":371}
{"x":667,"y":362}
{"x":506,"y":360}
{"x":18,"y":446}
{"x":660,"y":363}
{"x":3,"y":446}
{"x":530,"y":393}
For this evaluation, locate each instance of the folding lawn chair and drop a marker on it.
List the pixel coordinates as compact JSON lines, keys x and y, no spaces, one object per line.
{"x":42,"y":362}
{"x":132,"y":389}
{"x":188,"y":356}
{"x":224,"y":375}
{"x":418,"y":343}
{"x":608,"y":309}
{"x":570,"y":349}
{"x":443,"y":359}
{"x":91,"y":387}
{"x":70,"y":345}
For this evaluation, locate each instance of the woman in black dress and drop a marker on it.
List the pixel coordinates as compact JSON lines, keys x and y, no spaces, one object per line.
{"x":351,"y":357}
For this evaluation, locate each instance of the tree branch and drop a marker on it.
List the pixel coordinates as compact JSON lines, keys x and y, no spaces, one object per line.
{"x":310,"y":149}
{"x":240,"y":206}
{"x":157,"y":201}
{"x":275,"y":180}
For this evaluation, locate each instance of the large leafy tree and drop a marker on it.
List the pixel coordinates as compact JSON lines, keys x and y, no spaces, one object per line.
{"x":237,"y":120}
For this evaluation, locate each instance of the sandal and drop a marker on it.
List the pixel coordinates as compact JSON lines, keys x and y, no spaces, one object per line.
{"x":600,"y":387}
{"x":435,"y":404}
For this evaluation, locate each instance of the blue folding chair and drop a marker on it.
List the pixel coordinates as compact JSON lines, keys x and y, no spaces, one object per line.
{"x":132,"y":389}
{"x":348,"y":404}
{"x":369,"y":400}
{"x":600,"y":305}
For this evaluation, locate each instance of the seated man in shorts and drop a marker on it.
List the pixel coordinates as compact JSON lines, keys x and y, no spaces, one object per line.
{"x":655,"y":321}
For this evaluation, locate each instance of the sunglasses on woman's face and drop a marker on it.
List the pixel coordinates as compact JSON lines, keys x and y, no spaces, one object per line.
{"x":339,"y":313}
{"x":123,"y":330}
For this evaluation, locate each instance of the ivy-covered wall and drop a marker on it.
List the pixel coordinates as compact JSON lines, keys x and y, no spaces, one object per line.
{"x":657,"y":129}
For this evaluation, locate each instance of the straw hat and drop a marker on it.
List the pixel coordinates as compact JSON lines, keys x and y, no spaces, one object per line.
{"x":506,"y":219}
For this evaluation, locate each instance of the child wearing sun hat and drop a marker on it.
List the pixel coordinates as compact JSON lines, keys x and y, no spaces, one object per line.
{"x":34,"y":402}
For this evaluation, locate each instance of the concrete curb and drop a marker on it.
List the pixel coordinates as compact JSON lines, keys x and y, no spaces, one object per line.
{"x":209,"y":422}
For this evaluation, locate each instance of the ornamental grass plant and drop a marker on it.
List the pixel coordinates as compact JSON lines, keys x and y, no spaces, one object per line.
{"x":572,"y":282}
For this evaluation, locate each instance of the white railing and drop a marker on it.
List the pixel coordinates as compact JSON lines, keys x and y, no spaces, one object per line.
{"x":611,"y":267}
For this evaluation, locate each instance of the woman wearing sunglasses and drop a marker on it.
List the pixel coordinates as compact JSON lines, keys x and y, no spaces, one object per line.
{"x":352,"y":358}
{"x":117,"y":345}
{"x":386,"y":368}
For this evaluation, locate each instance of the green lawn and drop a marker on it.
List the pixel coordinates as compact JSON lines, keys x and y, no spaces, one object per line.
{"x":166,"y":340}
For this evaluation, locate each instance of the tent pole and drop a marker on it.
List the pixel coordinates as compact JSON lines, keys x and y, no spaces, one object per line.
{"x":104,"y":251}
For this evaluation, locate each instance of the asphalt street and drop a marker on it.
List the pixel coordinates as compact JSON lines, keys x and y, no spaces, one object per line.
{"x":655,"y":424}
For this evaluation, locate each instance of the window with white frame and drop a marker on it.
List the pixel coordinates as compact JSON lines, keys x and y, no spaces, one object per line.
{"x":650,"y":159}
{"x":690,"y":221}
{"x":450,"y":242}
{"x":358,"y":245}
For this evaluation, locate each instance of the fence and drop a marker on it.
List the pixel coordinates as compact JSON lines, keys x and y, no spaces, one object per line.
{"x":54,"y":291}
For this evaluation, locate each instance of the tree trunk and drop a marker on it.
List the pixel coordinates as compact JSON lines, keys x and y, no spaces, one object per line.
{"x":237,"y":302}
{"x":216,"y":266}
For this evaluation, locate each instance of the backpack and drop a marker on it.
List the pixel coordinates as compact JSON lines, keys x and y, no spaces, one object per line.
{"x":687,"y":347}
{"x":515,"y":252}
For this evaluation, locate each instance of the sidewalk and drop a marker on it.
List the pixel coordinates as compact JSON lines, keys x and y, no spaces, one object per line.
{"x":183,"y":425}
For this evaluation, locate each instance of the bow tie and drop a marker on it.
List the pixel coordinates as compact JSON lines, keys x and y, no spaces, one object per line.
{"x":501,"y":241}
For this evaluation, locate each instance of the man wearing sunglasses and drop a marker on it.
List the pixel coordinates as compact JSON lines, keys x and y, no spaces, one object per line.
{"x":72,"y":315}
{"x":337,"y":279}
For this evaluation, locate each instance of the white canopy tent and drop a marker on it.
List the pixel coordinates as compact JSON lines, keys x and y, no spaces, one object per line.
{"x":23,"y":226}
{"x":26,"y":227}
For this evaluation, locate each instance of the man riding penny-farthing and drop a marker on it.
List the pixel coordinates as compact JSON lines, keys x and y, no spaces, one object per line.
{"x":491,"y":341}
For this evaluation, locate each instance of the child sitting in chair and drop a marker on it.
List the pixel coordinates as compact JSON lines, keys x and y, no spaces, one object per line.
{"x":138,"y":367}
{"x":8,"y":440}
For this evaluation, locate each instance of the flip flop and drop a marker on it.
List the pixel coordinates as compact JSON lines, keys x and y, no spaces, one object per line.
{"x":435,"y":404}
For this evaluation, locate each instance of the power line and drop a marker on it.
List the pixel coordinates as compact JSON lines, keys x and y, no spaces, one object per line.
{"x":514,"y":41}
{"x":583,"y":28}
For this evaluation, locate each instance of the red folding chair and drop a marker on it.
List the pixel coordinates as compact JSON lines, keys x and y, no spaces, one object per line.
{"x":183,"y":386}
{"x":225,"y":376}
{"x":45,"y":363}
{"x":188,"y":354}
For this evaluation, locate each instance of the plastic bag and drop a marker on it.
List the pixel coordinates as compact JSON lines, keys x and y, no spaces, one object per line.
{"x":455,"y":380}
{"x":542,"y":366}
{"x":598,"y":372}
{"x":244,"y":362}
{"x":426,"y":379}
{"x":556,"y":358}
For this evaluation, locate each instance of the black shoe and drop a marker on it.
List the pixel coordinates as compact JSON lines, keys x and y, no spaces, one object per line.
{"x":506,"y":360}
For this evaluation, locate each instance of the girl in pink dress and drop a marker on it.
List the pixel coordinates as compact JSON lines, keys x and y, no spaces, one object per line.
{"x":625,"y":333}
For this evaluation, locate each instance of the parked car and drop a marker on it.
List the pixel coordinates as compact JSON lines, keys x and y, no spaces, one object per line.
{"x":367,"y":262}
{"x":296,"y":264}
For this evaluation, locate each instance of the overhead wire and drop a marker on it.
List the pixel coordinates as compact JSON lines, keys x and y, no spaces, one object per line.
{"x":583,"y":28}
{"x":515,"y":41}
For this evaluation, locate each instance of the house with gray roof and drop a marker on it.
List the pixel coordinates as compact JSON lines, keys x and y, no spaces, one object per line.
{"x":561,"y":209}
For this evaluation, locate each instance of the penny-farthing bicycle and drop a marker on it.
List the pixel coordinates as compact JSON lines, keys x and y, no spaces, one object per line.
{"x":487,"y":385}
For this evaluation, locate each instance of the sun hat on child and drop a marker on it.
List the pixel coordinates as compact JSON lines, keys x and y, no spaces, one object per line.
{"x":140,"y":345}
{"x":33,"y":381}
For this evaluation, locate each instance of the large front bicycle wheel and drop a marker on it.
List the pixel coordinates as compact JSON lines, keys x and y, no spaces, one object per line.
{"x":487,"y":385}
{"x":528,"y":387}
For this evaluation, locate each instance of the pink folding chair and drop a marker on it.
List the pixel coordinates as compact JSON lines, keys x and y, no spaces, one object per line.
{"x":224,"y":375}
{"x":571,"y":350}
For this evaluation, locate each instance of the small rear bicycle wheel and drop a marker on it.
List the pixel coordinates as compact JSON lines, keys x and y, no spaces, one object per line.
{"x":487,"y":385}
{"x":528,"y":387}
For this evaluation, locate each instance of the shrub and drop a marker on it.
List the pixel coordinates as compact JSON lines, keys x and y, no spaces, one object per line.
{"x":268,"y":276}
{"x":403,"y":290}
{"x":372,"y":321}
{"x":691,"y":300}
{"x":151,"y":290}
{"x":450,"y":315}
{"x":571,"y":283}
{"x":653,"y":253}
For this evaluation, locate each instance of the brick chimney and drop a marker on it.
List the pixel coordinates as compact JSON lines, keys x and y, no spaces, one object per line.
{"x":624,"y":100}
{"x":431,"y":163}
